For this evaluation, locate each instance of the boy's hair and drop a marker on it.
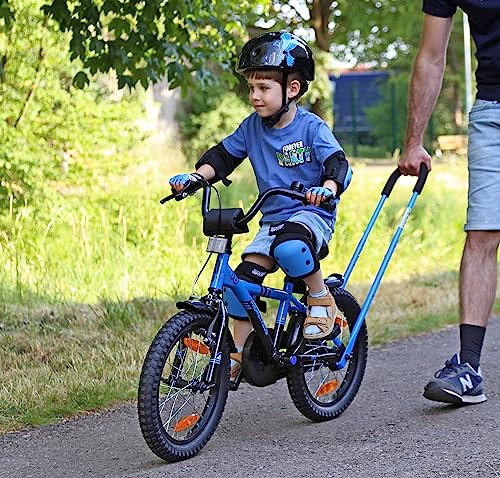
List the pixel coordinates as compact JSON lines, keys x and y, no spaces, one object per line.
{"x":276,"y":75}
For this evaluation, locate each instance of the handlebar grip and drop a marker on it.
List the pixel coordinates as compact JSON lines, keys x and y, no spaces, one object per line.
{"x":422,"y":177}
{"x":190,"y":189}
{"x":167,"y":198}
{"x":328,"y":205}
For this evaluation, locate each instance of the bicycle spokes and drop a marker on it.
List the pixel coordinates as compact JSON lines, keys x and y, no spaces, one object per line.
{"x":322,"y":378}
{"x":181,"y":407}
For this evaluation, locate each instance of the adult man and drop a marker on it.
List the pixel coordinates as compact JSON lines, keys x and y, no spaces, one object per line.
{"x":460,"y":380}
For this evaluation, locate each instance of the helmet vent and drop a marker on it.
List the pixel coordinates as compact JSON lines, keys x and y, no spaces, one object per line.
{"x":256,"y":52}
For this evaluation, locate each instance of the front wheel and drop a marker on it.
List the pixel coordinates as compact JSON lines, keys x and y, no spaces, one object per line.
{"x":178,"y":409}
{"x":318,"y":390}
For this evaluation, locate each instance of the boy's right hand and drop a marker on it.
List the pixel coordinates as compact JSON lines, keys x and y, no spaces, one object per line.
{"x":180,"y":181}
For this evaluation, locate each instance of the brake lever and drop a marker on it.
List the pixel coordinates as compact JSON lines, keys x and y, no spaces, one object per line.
{"x":189,"y":190}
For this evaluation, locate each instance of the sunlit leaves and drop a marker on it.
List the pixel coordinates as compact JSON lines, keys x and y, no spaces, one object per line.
{"x":142,"y":41}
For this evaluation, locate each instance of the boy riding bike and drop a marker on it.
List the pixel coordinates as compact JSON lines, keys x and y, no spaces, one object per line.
{"x":284,"y":143}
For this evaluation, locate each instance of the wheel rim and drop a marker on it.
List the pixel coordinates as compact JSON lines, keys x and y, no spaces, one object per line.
{"x":327,"y":386}
{"x":184,"y":402}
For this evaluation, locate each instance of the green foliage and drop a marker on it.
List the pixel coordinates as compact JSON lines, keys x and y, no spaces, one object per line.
{"x":388,"y":118}
{"x":376,"y":31}
{"x":209,"y":118}
{"x":320,"y":90}
{"x":141,"y":41}
{"x":358,"y":31}
{"x":48,"y":129}
{"x":83,"y":291}
{"x":216,"y":124}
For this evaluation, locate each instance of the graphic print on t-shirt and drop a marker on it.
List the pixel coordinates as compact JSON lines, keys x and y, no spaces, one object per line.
{"x":294,"y":154}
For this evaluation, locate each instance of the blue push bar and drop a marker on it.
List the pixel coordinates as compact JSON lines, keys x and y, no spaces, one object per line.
{"x":392,"y":246}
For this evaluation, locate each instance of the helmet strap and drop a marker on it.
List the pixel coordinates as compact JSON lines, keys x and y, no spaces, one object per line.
{"x":270,"y":121}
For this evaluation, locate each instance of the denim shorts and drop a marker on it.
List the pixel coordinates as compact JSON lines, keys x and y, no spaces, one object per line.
{"x":483,"y":209}
{"x":321,"y":231}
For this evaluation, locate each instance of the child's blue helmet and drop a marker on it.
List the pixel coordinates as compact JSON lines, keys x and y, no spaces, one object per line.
{"x":281,"y":51}
{"x":277,"y":50}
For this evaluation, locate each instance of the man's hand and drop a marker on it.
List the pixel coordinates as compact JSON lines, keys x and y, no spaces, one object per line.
{"x":318,"y":194}
{"x":412,"y":158}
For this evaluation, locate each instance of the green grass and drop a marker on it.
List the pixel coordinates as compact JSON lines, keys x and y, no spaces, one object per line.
{"x":85,"y":286}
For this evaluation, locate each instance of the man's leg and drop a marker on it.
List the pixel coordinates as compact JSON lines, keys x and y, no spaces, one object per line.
{"x":478,"y":277}
{"x":478,"y":281}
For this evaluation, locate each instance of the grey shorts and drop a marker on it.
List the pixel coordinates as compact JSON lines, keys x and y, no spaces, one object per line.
{"x":321,"y":231}
{"x":483,"y":209}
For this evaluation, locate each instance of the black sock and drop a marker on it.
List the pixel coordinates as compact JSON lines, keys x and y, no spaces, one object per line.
{"x":471,"y":343}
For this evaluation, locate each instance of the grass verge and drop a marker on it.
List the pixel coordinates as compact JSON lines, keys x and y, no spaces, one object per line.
{"x":132,"y":259}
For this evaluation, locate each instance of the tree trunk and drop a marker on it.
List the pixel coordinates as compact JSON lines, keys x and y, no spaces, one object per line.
{"x":320,"y":17}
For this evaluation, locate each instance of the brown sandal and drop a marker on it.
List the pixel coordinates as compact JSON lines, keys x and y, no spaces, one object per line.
{"x":325,"y":324}
{"x":236,"y":368}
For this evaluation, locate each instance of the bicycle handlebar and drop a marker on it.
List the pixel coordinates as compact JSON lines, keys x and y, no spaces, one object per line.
{"x":296,"y":191}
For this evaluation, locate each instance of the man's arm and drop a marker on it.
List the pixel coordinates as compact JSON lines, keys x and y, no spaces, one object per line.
{"x":426,"y":81}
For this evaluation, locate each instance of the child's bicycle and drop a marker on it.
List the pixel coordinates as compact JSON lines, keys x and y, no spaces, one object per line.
{"x":185,"y":377}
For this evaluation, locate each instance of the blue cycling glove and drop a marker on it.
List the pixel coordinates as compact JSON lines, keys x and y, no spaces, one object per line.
{"x":321,"y":191}
{"x":180,"y":181}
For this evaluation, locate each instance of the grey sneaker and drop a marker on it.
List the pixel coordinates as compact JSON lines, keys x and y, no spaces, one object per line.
{"x":456,"y":383}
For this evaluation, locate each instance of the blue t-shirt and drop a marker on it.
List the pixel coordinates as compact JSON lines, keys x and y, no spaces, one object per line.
{"x":484,"y":20}
{"x":280,"y":156}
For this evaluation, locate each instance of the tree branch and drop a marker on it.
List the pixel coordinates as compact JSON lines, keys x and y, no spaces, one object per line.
{"x":34,"y":86}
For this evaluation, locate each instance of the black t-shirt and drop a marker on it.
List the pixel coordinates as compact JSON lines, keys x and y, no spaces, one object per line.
{"x":484,"y":20}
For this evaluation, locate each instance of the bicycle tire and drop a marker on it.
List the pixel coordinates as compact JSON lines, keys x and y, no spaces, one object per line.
{"x":180,"y":336}
{"x":343,"y":393}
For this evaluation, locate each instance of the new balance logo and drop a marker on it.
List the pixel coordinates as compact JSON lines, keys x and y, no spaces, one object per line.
{"x":466,"y":382}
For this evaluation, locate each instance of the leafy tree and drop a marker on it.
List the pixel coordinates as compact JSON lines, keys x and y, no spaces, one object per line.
{"x":211,"y":126}
{"x":144,"y":41}
{"x":381,"y":33}
{"x":48,"y":129}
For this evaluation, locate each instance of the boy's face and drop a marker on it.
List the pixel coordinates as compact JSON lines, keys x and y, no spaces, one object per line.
{"x":265,"y":96}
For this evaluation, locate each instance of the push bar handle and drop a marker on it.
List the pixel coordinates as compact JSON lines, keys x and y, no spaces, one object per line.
{"x":422,"y":178}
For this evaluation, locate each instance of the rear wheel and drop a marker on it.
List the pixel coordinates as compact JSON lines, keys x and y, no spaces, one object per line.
{"x":318,"y":390}
{"x":178,"y":410}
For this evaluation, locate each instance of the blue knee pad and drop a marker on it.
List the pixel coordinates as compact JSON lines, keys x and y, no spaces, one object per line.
{"x":293,"y":250}
{"x":249,"y":272}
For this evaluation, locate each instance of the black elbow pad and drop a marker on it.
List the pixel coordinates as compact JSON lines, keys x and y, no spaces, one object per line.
{"x":337,"y":169}
{"x":221,"y":161}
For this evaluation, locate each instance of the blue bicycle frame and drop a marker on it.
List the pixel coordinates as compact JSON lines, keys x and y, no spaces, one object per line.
{"x":225,"y":276}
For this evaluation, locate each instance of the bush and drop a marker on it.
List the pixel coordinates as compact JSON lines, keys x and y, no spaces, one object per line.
{"x":48,"y":129}
{"x":220,"y":116}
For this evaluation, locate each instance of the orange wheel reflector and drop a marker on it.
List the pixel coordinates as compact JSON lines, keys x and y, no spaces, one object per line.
{"x":186,"y":422}
{"x":327,"y":387}
{"x":341,"y":322}
{"x":196,"y":345}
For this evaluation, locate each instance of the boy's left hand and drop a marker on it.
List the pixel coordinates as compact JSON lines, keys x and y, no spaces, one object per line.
{"x":318,"y":194}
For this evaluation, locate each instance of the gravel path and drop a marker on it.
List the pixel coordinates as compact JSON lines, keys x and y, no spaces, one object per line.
{"x":390,"y":430}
